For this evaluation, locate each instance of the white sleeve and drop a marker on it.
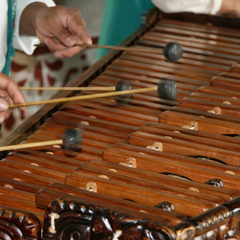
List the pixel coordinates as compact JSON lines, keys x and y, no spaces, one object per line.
{"x":25,"y":43}
{"x":196,"y":6}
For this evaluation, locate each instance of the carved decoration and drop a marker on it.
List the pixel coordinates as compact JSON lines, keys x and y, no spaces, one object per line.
{"x":219,"y":223}
{"x":215,"y":182}
{"x":65,"y":219}
{"x":19,"y":226}
{"x":167,"y":206}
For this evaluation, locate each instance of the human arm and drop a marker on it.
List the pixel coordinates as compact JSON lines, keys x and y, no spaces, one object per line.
{"x":26,"y":43}
{"x":59,"y":27}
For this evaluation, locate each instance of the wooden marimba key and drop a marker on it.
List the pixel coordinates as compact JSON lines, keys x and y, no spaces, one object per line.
{"x":144,"y":158}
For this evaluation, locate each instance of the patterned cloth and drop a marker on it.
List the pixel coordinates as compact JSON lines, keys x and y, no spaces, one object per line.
{"x":43,"y":70}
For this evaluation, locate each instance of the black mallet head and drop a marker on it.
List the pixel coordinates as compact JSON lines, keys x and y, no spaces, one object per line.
{"x":173,"y":51}
{"x":123,"y":84}
{"x":72,"y":140}
{"x":167,"y":88}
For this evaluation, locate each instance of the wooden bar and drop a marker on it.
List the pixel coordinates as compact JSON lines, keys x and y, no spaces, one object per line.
{"x":149,"y":168}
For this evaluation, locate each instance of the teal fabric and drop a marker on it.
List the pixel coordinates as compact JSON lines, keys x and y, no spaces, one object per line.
{"x":120,"y":19}
{"x":11,"y":50}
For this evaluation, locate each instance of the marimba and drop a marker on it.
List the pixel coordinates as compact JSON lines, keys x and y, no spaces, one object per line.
{"x":151,"y":169}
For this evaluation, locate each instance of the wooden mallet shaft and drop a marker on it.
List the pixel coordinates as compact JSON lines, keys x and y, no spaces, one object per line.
{"x":71,"y":88}
{"x":146,"y":50}
{"x":30,"y":145}
{"x":91,"y":96}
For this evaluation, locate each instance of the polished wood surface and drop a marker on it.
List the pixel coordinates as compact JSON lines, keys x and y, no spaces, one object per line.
{"x":175,"y":162}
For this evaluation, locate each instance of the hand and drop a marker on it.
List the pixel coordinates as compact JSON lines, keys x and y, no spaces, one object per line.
{"x":9,"y":94}
{"x":231,"y":7}
{"x":60,"y":28}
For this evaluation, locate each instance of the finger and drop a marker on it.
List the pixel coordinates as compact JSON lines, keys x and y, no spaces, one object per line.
{"x":64,"y":36}
{"x":64,"y":24}
{"x":3,"y":104}
{"x":68,"y":52}
{"x":15,"y":94}
{"x":56,"y":31}
{"x":73,"y":21}
{"x":55,"y":40}
{"x":77,"y":26}
{"x":81,"y":34}
{"x":53,"y":45}
{"x":11,"y":89}
{"x":61,"y":32}
{"x":4,"y":97}
{"x":60,"y":50}
{"x":4,"y":111}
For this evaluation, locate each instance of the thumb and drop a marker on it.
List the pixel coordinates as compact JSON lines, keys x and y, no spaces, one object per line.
{"x":3,"y":104}
{"x":64,"y":36}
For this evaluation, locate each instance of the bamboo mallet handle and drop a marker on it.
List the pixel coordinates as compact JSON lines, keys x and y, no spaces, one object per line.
{"x":91,"y":96}
{"x":30,"y":145}
{"x":172,"y":51}
{"x":146,"y":50}
{"x":70,"y":88}
{"x":71,"y":140}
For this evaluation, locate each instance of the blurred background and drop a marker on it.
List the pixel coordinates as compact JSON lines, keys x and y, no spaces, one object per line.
{"x":43,"y":70}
